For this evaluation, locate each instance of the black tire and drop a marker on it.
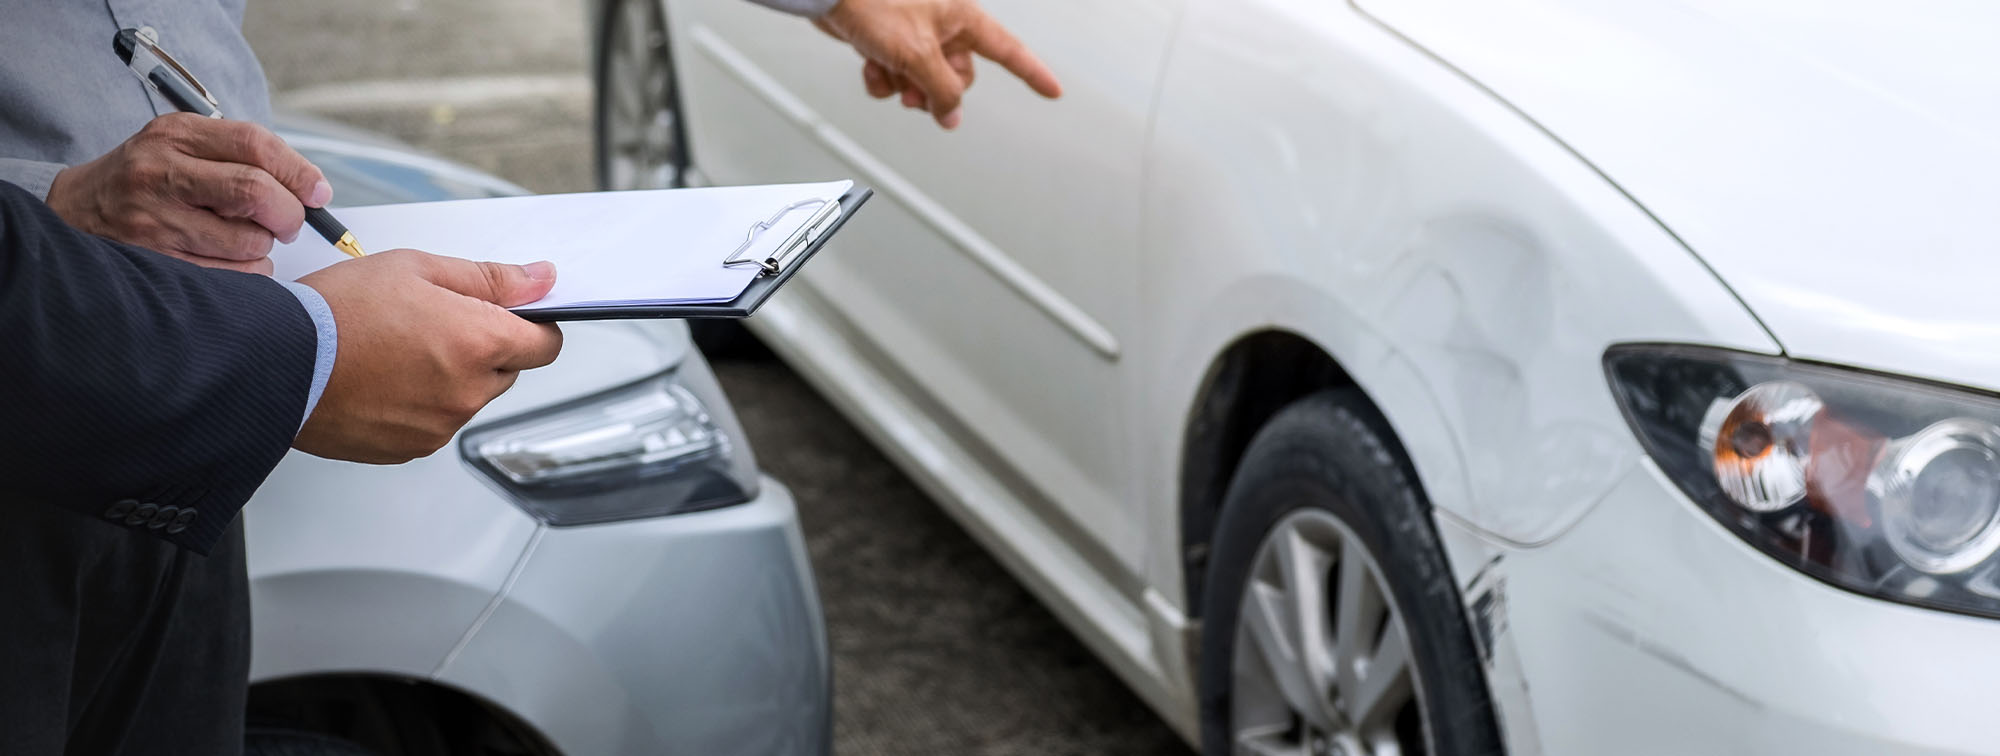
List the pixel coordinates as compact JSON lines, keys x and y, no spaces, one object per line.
{"x":610,"y":25}
{"x":262,"y":741}
{"x":715,"y":338}
{"x":727,"y":339}
{"x":1331,"y":451}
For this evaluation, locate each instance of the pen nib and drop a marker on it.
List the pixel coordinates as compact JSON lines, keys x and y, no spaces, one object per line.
{"x":348,"y":245}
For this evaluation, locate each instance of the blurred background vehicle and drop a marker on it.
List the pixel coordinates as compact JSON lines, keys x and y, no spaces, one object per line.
{"x":595,"y":566}
{"x":1420,"y":376}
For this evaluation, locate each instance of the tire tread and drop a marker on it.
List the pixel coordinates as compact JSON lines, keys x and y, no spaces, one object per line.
{"x":1336,"y":439}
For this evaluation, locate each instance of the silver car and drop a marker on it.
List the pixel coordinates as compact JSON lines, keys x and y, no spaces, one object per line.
{"x":594,"y":567}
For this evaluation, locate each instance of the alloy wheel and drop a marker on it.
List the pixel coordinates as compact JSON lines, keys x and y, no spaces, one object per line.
{"x":641,"y":117}
{"x":1322,"y":663}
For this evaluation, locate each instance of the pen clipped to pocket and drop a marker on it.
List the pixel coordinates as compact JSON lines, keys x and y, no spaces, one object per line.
{"x":140,"y":50}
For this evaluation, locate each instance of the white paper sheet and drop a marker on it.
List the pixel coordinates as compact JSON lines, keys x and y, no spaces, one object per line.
{"x":610,"y":248}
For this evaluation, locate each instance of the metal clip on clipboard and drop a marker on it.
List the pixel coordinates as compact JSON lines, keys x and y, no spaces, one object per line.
{"x":788,"y":250}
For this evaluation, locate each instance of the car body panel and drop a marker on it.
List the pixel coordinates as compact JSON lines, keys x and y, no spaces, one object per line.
{"x":598,"y":614}
{"x":1696,"y":627}
{"x":1467,"y":272}
{"x":346,"y":573}
{"x":1836,"y":162}
{"x":832,"y":354}
{"x":984,"y":304}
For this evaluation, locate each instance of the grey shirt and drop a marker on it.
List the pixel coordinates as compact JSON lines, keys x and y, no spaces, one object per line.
{"x":65,"y":98}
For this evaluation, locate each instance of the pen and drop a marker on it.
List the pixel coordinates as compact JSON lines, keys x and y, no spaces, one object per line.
{"x":140,"y":50}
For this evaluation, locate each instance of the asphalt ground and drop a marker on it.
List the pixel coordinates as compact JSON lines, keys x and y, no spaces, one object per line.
{"x":937,"y":650}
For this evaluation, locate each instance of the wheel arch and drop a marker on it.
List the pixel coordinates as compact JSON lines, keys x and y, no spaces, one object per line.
{"x":394,"y":714}
{"x":1246,"y":384}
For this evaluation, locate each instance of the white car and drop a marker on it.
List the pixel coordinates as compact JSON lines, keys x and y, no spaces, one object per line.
{"x":1426,"y":376}
{"x":593,"y":567}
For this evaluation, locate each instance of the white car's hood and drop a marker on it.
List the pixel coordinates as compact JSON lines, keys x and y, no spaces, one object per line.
{"x":596,"y":356}
{"x":1836,"y":162}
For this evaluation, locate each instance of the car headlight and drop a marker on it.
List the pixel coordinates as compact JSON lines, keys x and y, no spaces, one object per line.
{"x":663,"y":445}
{"x":1884,"y":486}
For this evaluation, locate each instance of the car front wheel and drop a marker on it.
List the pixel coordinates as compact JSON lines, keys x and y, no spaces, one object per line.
{"x":1333,"y":626}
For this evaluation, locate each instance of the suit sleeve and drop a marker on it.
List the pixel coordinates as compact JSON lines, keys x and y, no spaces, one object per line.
{"x":137,"y":388}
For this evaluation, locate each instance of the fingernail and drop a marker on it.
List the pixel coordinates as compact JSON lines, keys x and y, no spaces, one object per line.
{"x":289,"y":238}
{"x":950,"y":120}
{"x":541,"y":271}
{"x":322,"y":194}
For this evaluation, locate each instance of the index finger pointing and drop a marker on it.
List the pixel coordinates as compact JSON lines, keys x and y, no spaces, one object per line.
{"x":993,"y":41}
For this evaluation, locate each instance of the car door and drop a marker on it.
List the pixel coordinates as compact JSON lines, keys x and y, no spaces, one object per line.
{"x":995,"y":269}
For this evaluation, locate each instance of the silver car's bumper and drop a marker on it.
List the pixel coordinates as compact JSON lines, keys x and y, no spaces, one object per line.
{"x":694,"y":633}
{"x":697,"y":633}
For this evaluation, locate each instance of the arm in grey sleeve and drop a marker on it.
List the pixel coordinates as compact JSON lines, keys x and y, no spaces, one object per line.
{"x":36,"y":176}
{"x":806,"y":8}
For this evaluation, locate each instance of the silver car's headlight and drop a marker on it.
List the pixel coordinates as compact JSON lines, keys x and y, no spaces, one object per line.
{"x":663,"y":445}
{"x":1881,"y":485}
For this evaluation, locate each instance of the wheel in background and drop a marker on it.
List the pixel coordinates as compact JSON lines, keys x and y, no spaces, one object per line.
{"x":641,"y":142}
{"x":1333,"y":626}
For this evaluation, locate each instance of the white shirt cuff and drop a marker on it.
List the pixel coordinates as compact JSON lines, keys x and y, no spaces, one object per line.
{"x":329,"y":342}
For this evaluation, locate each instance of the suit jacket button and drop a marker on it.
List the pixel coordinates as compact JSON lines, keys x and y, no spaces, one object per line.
{"x":120,"y":509}
{"x":161,"y":518}
{"x":181,"y":521}
{"x":142,"y":514}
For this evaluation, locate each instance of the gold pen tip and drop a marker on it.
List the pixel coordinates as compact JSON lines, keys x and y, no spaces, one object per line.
{"x":349,"y":245}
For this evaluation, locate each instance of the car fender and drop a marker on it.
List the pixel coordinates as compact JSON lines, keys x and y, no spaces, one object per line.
{"x":1460,"y":264}
{"x":347,"y":572}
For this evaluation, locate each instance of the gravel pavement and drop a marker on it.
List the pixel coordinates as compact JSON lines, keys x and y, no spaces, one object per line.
{"x":937,"y":650}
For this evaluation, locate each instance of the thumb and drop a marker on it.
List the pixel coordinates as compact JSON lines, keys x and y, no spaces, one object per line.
{"x":500,"y":283}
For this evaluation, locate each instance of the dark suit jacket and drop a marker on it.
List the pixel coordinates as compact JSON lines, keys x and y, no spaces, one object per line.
{"x":139,"y":388}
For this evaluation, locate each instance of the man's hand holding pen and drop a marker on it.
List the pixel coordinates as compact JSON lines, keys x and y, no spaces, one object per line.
{"x":210,"y":191}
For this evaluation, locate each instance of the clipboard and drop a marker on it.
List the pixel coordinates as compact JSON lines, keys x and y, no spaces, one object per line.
{"x":774,"y":270}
